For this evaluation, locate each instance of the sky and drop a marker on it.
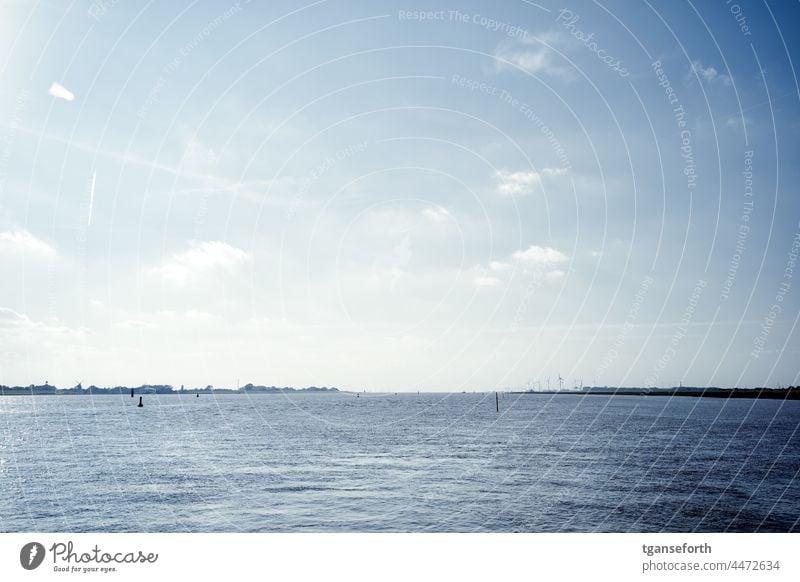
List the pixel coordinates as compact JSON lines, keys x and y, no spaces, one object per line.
{"x":392,"y":196}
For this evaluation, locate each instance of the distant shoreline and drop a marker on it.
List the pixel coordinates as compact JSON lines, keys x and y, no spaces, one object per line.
{"x":160,"y":389}
{"x":790,"y":393}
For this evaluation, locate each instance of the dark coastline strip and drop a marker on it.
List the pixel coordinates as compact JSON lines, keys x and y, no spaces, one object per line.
{"x":791,"y":393}
{"x":160,"y":389}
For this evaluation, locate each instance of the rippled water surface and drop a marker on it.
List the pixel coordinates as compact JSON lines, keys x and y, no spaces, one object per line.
{"x":414,"y":463}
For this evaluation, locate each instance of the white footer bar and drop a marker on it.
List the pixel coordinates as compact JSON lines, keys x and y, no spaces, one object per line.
{"x":354,"y":557}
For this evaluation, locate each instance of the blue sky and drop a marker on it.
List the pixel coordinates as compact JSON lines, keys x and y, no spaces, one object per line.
{"x":398,"y":196}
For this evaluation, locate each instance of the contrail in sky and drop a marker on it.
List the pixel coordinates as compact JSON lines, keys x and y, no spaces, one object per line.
{"x":91,"y":199}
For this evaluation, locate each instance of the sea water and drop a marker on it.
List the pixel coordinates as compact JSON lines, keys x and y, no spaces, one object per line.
{"x":405,"y":462}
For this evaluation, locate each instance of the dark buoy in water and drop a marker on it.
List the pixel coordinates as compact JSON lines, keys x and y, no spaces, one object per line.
{"x":140,"y":402}
{"x":198,"y":396}
{"x":131,"y":392}
{"x":497,"y":402}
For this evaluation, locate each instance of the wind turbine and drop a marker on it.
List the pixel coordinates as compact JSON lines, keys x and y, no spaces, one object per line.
{"x":560,"y":382}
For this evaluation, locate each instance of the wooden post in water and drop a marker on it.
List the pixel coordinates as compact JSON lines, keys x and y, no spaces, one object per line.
{"x":497,"y":402}
{"x":140,"y":402}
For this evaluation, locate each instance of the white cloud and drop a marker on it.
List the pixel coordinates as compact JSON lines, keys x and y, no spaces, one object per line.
{"x":541,"y":262}
{"x":554,"y":171}
{"x":195,"y":315}
{"x":9,"y":317}
{"x":14,"y":326}
{"x":535,"y":55}
{"x":517,"y":183}
{"x":59,"y":91}
{"x":708,"y":74}
{"x":205,"y":258}
{"x":737,"y":121}
{"x":536,"y":256}
{"x":437,"y":214}
{"x":536,"y":59}
{"x":18,"y":242}
{"x":521,"y":183}
{"x":199,"y":157}
{"x":486,"y":281}
{"x":133,"y":324}
{"x":499,"y":266}
{"x":168,"y":319}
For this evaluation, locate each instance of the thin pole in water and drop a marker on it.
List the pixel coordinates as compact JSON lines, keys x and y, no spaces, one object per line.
{"x":497,"y":401}
{"x":140,"y":402}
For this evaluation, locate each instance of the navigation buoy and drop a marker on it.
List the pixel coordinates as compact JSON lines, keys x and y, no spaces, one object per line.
{"x":140,"y":402}
{"x":131,"y":392}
